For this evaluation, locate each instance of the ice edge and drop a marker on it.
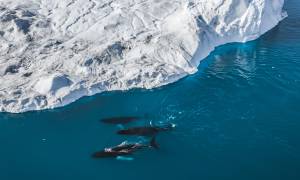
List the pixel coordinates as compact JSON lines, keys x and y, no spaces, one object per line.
{"x":207,"y":40}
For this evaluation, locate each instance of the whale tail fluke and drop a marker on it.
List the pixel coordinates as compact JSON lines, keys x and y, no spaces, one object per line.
{"x":153,"y":143}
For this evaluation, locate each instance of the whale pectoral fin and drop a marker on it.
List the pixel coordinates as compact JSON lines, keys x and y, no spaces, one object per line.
{"x":123,"y":158}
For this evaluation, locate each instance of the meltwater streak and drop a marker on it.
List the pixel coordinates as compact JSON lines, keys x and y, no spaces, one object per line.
{"x":237,"y":118}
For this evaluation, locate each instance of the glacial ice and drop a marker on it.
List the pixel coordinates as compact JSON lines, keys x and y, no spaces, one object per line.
{"x":53,"y":52}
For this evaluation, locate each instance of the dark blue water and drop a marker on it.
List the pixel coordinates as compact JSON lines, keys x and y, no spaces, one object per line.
{"x":238,"y":118}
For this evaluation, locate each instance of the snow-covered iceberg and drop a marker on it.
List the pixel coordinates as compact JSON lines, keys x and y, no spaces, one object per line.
{"x":52,"y":52}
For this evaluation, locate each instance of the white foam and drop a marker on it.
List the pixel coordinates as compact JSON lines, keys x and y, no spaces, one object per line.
{"x":53,"y":52}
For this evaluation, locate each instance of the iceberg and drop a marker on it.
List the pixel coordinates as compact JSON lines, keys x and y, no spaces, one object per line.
{"x":53,"y":52}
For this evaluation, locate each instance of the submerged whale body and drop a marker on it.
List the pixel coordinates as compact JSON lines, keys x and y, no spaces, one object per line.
{"x":119,"y":120}
{"x":146,"y":131}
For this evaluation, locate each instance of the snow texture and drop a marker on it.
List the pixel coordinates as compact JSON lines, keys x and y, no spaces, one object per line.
{"x":53,"y":52}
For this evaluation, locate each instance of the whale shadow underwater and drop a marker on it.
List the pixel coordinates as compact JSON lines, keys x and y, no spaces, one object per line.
{"x":119,"y":120}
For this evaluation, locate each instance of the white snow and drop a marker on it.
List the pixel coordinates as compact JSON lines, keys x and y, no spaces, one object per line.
{"x":51,"y":84}
{"x":52,"y":52}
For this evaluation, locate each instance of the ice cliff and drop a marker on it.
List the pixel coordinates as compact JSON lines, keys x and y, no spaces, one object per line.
{"x":52,"y":52}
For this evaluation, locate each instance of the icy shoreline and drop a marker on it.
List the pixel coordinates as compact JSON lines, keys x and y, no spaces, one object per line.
{"x":53,"y":52}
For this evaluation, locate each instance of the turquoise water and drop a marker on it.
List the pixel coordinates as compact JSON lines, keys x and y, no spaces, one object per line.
{"x":238,"y":118}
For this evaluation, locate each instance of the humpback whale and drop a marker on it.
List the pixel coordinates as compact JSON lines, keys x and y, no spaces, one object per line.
{"x":123,"y":149}
{"x":146,"y":130}
{"x":110,"y":154}
{"x":119,"y":120}
{"x":120,"y":150}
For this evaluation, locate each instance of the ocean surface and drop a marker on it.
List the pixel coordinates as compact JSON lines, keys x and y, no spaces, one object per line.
{"x":237,"y":118}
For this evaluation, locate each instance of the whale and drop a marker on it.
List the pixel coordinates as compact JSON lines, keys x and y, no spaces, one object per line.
{"x":124,"y":149}
{"x":149,"y":131}
{"x":111,"y":154}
